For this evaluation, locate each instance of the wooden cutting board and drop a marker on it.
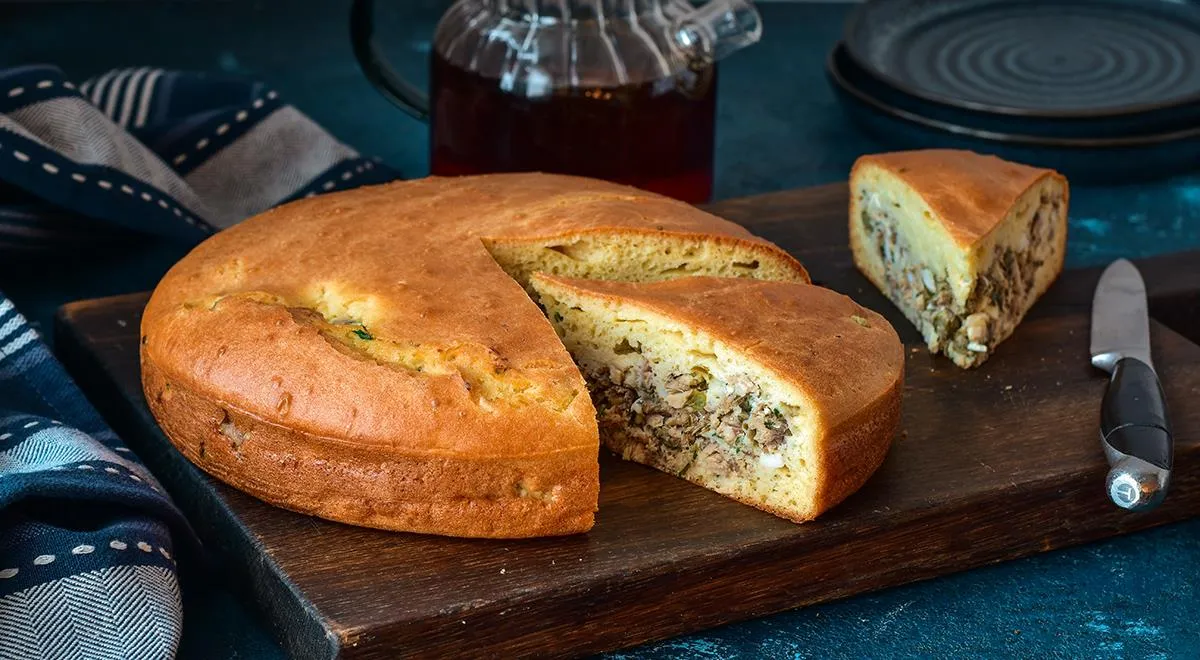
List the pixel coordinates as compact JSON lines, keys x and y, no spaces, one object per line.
{"x":990,"y":465}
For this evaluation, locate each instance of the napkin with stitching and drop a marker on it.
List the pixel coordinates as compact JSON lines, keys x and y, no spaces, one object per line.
{"x":87,"y":566}
{"x":87,"y":534}
{"x":166,"y":152}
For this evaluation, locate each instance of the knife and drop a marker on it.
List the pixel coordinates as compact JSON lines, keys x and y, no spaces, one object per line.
{"x":1134,"y":430}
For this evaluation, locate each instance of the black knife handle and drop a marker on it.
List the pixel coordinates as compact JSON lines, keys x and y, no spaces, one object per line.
{"x":1133,"y":416}
{"x":1136,"y":436}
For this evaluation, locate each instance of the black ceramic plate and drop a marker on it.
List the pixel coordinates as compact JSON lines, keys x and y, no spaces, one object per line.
{"x":1040,"y":58}
{"x":1083,"y":160}
{"x":1090,"y":128}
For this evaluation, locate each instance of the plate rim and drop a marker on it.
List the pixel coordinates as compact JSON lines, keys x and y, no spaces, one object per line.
{"x":856,"y":17}
{"x":831,"y":69}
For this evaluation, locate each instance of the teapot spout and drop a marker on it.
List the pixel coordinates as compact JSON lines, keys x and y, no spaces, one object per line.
{"x":717,"y":28}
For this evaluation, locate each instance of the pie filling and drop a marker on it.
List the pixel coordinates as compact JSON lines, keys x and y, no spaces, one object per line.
{"x":688,"y":420}
{"x":1000,"y":294}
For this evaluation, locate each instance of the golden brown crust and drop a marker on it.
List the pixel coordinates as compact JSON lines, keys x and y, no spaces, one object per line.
{"x":329,"y":479}
{"x":846,"y":359}
{"x":969,"y":193}
{"x":854,"y":450}
{"x":242,"y":324}
{"x":542,"y":206}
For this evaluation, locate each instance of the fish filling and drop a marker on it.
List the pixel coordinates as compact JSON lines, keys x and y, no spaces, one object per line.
{"x":999,"y":296}
{"x":687,"y":420}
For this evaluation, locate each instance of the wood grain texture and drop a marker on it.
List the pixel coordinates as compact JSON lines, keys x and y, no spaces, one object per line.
{"x":992,"y":464}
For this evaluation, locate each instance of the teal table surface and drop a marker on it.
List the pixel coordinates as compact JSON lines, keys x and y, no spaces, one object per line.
{"x":779,"y":127}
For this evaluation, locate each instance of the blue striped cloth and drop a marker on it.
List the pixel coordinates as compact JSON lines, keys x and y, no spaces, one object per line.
{"x":166,"y":152}
{"x":88,"y":537}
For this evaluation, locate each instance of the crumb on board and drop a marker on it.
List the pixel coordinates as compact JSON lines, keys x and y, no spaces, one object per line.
{"x":502,"y":571}
{"x":1007,"y":387}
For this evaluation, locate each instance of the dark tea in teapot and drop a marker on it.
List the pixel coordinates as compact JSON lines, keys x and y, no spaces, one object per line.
{"x":656,"y":135}
{"x":623,"y":91}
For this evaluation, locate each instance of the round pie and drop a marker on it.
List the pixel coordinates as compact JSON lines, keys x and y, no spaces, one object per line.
{"x":373,"y":356}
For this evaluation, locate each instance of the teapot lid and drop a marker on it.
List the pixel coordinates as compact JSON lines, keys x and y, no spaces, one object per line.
{"x":534,"y":47}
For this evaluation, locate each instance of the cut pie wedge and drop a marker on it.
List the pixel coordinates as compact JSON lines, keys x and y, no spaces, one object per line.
{"x":784,"y":396}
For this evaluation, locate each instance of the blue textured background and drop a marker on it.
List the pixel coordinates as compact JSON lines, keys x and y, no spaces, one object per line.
{"x":779,"y":127}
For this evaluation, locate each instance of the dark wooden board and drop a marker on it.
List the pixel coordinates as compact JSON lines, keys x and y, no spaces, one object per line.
{"x":990,"y":465}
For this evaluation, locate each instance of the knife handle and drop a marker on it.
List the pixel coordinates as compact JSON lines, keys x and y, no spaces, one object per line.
{"x":1136,"y":436}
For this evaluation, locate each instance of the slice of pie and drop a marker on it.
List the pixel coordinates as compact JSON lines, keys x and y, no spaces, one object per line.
{"x":964,"y":244}
{"x":781,"y":395}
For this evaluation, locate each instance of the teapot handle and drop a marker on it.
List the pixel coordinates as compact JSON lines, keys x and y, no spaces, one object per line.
{"x":379,"y":73}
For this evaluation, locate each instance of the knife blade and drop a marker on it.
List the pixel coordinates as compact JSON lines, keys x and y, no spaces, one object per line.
{"x":1134,"y":429}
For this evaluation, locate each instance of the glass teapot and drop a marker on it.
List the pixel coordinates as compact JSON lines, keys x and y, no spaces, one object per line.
{"x":623,"y":90}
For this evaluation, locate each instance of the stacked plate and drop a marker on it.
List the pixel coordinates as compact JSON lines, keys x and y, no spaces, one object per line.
{"x":1102,"y":90}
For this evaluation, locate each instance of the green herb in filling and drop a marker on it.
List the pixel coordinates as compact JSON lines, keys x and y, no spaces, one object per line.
{"x":624,"y":348}
{"x":868,"y":223}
